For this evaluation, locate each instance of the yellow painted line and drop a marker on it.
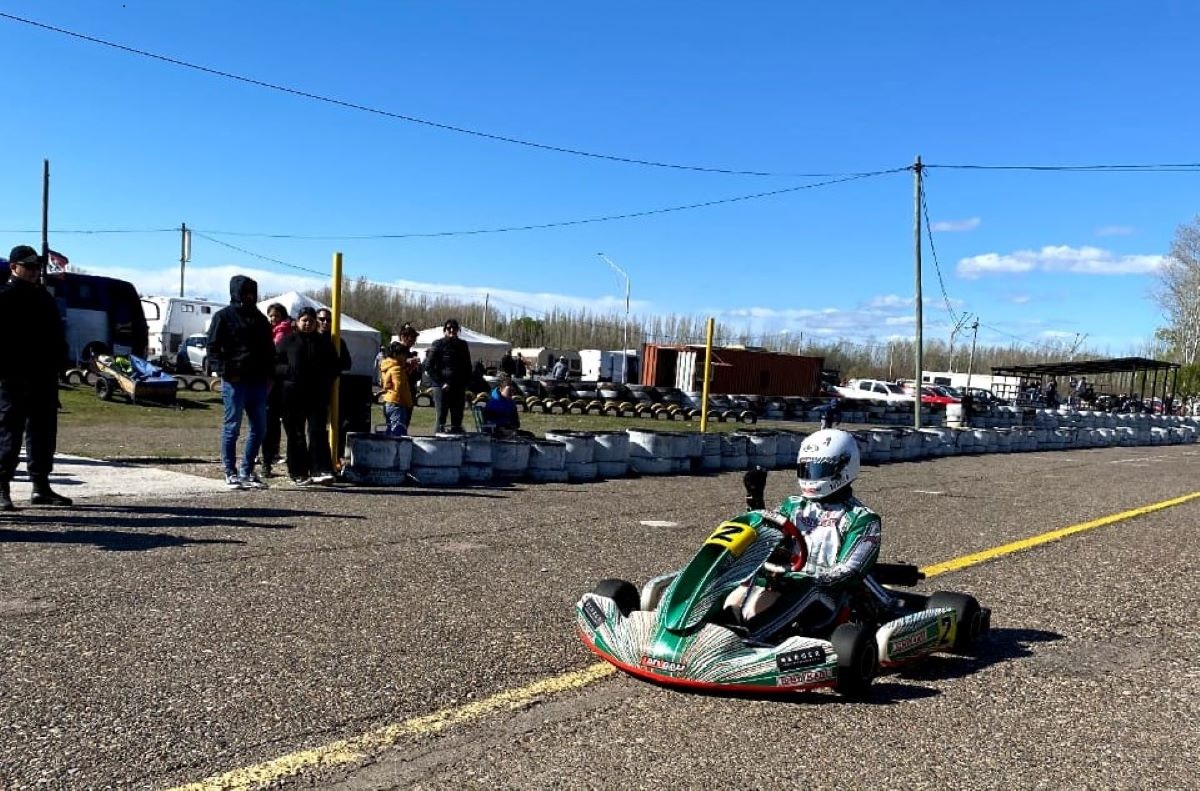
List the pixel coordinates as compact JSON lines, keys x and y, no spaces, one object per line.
{"x":359,"y":748}
{"x":1026,"y":543}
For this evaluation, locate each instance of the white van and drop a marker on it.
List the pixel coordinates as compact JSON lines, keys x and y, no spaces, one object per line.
{"x":171,"y":320}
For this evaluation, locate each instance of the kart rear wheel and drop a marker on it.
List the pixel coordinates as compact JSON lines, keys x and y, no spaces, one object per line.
{"x":625,"y":594}
{"x":969,"y":614}
{"x":858,"y":658}
{"x":105,"y":388}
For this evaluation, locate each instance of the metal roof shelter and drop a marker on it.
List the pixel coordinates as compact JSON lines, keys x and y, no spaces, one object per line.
{"x":1120,"y":372}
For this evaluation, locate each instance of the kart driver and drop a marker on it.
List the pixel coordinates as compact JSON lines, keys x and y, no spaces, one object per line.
{"x":840,"y":535}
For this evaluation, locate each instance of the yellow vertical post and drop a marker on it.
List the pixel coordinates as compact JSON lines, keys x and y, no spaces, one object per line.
{"x":335,"y":332}
{"x":708,"y":336}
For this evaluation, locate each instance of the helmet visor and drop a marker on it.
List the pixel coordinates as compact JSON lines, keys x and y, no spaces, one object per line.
{"x":820,"y":469}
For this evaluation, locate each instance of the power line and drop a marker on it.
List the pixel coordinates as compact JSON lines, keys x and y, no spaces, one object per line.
{"x":96,"y":230}
{"x":562,"y":223}
{"x":1183,"y":167}
{"x":400,"y":116}
{"x":259,"y":256}
{"x":936,"y":265}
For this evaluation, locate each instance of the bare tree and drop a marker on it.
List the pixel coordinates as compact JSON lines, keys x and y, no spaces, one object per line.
{"x":1178,"y":293}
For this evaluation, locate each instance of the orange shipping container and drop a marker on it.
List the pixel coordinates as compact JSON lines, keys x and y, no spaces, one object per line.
{"x":735,"y":371}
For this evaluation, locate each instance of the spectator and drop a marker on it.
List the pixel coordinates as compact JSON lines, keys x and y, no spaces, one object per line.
{"x":500,"y":410}
{"x":281,"y":327}
{"x":33,"y":351}
{"x":479,"y":382}
{"x":521,"y":370}
{"x":507,"y":364}
{"x":412,"y":361}
{"x":308,"y":365}
{"x":559,"y":372}
{"x":1081,"y":391}
{"x":1051,"y":394}
{"x":325,"y":327}
{"x":449,"y":366}
{"x":397,"y":393}
{"x":241,"y":352}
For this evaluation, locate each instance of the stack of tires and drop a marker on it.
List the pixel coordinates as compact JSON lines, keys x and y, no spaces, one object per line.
{"x":377,"y":459}
{"x":580,"y":458}
{"x":437,"y":460}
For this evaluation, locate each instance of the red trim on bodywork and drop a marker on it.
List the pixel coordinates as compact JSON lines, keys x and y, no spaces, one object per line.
{"x":689,"y":683}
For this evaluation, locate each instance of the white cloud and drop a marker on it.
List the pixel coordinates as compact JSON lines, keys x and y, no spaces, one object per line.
{"x":890,"y":301}
{"x":1020,"y":299}
{"x":212,"y":283}
{"x":1115,"y":230}
{"x":955,"y":226}
{"x":1060,"y":258}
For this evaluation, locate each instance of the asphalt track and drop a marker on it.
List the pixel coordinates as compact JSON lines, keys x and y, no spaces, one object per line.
{"x":396,"y":638}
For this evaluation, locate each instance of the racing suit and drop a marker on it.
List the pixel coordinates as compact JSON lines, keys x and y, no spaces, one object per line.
{"x":842,"y":539}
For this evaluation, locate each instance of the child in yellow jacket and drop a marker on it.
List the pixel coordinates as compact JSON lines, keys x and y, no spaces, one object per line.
{"x":397,"y":394}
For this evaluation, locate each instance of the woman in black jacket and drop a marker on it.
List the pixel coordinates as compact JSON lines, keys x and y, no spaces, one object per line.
{"x":307,"y":365}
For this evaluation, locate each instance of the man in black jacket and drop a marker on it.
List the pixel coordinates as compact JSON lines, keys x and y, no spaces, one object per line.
{"x":307,"y":366}
{"x":241,"y":352}
{"x":449,"y":366}
{"x":32,"y":352}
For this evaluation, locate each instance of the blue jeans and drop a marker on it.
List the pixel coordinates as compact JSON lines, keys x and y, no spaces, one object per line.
{"x":251,"y":399}
{"x":397,"y":416}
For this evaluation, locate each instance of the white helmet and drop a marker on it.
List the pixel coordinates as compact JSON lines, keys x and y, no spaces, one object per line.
{"x":827,"y":462}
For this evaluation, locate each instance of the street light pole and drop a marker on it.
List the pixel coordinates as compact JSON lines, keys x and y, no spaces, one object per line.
{"x":625,"y":330}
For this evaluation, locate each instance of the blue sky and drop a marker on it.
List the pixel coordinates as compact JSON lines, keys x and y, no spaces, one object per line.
{"x":792,"y":89}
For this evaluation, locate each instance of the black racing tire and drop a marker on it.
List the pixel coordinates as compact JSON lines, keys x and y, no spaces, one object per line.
{"x":858,"y":658}
{"x":624,"y":593}
{"x":971,"y":623}
{"x":75,"y":376}
{"x":105,"y":388}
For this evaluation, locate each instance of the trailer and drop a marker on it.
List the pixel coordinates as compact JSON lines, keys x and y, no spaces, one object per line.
{"x":171,"y":320}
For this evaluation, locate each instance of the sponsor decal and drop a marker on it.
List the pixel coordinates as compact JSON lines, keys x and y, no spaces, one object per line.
{"x":662,"y":664}
{"x":805,"y":677}
{"x":899,"y":645}
{"x":593,"y":613}
{"x":791,"y":660}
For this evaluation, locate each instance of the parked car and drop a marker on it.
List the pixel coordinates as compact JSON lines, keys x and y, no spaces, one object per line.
{"x":876,"y":389}
{"x":982,"y":397}
{"x":933,"y":395}
{"x":193,"y":355}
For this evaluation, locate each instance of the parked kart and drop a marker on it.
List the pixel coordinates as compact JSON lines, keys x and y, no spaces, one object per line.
{"x":135,"y":378}
{"x":677,"y":632}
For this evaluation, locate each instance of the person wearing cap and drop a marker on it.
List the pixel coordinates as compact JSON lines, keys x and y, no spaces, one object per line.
{"x":449,"y":366}
{"x":412,"y":362}
{"x":397,"y":392}
{"x":32,"y":354}
{"x":559,"y":372}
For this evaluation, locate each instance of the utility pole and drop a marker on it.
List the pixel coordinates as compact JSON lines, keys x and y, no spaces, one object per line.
{"x":957,"y":327}
{"x":625,"y":329}
{"x":45,"y":218}
{"x":185,"y":251}
{"x":917,"y":167}
{"x":971,"y":362}
{"x":483,"y":327}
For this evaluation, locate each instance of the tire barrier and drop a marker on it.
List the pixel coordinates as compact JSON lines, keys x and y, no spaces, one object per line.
{"x":548,"y":461}
{"x":580,"y":453}
{"x":735,"y":452}
{"x":449,"y":459}
{"x":611,"y":453}
{"x":510,"y":459}
{"x":761,"y":447}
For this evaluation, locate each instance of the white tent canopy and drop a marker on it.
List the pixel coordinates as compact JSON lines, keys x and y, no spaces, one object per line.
{"x":484,"y":348}
{"x":362,"y":340}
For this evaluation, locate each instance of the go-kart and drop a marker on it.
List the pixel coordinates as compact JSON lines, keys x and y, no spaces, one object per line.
{"x":678,"y":631}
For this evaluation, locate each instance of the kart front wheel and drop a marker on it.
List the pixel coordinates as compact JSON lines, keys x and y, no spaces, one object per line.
{"x":625,"y":594}
{"x":971,"y":623}
{"x":858,"y":658}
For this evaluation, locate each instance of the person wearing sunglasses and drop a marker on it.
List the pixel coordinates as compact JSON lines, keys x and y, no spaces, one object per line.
{"x":33,"y":352}
{"x":449,"y":366}
{"x":325,"y":327}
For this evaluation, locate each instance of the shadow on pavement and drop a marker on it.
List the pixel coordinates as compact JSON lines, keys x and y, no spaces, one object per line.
{"x":107,"y":540}
{"x":142,"y":517}
{"x":999,"y":645}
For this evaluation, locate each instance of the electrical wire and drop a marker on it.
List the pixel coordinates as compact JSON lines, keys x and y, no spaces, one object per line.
{"x":562,"y":223}
{"x":259,"y":256}
{"x":933,"y":251}
{"x":1180,"y":167}
{"x":400,"y":116}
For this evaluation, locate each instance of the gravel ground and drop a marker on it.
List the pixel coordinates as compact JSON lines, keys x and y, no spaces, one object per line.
{"x":160,"y":642}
